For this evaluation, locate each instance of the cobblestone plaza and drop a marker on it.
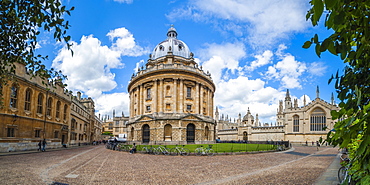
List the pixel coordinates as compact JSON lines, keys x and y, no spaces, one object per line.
{"x":97,"y":165}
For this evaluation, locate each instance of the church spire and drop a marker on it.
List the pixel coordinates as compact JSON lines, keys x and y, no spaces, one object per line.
{"x":317,"y":92}
{"x":287,"y":96}
{"x":332,"y":99}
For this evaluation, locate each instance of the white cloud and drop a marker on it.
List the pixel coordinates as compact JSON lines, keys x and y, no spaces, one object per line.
{"x":236,"y":95}
{"x":265,"y":21}
{"x":89,"y":70}
{"x":106,"y":103}
{"x":262,"y":60}
{"x":221,"y":57}
{"x":124,"y":1}
{"x":288,"y":70}
{"x":317,"y":68}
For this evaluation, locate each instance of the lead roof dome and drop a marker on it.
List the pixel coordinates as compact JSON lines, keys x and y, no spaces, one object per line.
{"x":171,"y":44}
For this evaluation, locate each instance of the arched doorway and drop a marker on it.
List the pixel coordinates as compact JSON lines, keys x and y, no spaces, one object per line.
{"x":190,"y":133}
{"x":146,"y":133}
{"x":206,"y":133}
{"x":132,"y":133}
{"x":245,"y":136}
{"x":168,"y":132}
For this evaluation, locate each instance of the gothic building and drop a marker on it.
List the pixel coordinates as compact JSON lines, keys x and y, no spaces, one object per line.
{"x":294,"y":123}
{"x":171,"y":99}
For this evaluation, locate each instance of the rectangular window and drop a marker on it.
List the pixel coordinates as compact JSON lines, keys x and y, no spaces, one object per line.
{"x":168,"y":106}
{"x":117,"y":129}
{"x":188,"y":107}
{"x":37,"y":133}
{"x":148,"y":108}
{"x":188,"y":92}
{"x":10,"y":132}
{"x":148,"y":93}
{"x":117,"y":123}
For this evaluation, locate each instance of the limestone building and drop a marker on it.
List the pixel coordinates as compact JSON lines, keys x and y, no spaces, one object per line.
{"x":117,"y":126}
{"x":171,"y":99}
{"x":294,"y":123}
{"x":31,"y":112}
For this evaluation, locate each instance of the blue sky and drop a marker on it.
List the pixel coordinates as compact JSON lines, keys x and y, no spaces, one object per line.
{"x":253,"y":49}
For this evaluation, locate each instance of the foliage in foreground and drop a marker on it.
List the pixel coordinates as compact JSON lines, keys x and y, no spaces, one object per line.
{"x":21,"y":23}
{"x":349,"y":20}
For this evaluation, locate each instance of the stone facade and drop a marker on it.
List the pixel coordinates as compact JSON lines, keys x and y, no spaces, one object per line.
{"x":32,"y":111}
{"x":171,"y":100}
{"x":307,"y":123}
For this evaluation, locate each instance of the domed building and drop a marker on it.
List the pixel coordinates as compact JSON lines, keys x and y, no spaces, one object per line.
{"x":171,"y":99}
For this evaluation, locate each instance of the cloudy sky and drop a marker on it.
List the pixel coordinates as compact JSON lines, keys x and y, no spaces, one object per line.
{"x":253,"y":49}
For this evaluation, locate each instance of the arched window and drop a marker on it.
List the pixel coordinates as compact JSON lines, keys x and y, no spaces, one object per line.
{"x":48,"y":106}
{"x":245,"y":136}
{"x":318,"y":120}
{"x":146,"y":133}
{"x":206,"y":133}
{"x":168,"y":91}
{"x":65,"y":112}
{"x":40,"y":99}
{"x":57,"y":113}
{"x":168,"y":132}
{"x":132,"y":133}
{"x":13,"y":96}
{"x":295,"y":123}
{"x":27,"y":100}
{"x":190,"y":133}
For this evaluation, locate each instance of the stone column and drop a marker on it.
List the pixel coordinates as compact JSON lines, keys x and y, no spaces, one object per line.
{"x":161,"y":95}
{"x":155,"y":96}
{"x":175,"y":107}
{"x":181,"y":94}
{"x":198,"y":98}
{"x":141,"y":100}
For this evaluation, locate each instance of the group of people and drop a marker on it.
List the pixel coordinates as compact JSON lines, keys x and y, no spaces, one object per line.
{"x":42,"y":145}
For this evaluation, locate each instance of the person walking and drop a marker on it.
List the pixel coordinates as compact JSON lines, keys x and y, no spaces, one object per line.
{"x":39,"y":144}
{"x":43,"y":145}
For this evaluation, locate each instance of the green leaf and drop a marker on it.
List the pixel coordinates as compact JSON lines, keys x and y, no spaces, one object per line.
{"x":318,"y":7}
{"x":339,"y":19}
{"x":329,"y":4}
{"x":307,"y":44}
{"x":317,"y":49}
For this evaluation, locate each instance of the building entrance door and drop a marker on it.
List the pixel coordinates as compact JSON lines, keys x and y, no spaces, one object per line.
{"x":190,"y":133}
{"x":146,"y":134}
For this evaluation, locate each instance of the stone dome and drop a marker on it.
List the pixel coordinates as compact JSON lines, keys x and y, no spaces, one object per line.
{"x":171,"y":44}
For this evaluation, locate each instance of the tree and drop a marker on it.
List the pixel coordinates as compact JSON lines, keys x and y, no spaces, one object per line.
{"x":21,"y":22}
{"x":349,"y":20}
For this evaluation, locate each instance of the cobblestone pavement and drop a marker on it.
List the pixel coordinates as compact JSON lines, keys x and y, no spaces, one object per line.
{"x":97,"y":165}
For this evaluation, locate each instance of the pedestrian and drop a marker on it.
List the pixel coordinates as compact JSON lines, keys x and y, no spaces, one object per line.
{"x":317,"y":145}
{"x":43,"y":145}
{"x":39,"y":144}
{"x":133,"y":149}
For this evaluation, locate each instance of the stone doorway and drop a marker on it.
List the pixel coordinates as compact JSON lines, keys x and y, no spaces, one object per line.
{"x":190,"y":133}
{"x":146,"y":133}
